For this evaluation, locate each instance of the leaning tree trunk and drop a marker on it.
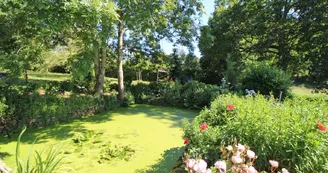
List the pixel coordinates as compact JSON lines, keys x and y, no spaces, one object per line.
{"x":120,"y":59}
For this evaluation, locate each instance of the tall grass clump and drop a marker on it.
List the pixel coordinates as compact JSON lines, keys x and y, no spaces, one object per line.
{"x":53,"y":162}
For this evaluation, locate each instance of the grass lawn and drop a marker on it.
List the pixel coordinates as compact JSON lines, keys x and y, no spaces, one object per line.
{"x":153,"y":132}
{"x":48,"y":76}
{"x":301,"y":91}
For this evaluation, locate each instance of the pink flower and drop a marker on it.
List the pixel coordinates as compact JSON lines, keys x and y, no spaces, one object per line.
{"x":284,"y":170}
{"x":250,"y":154}
{"x":241,"y":148}
{"x":208,"y":171}
{"x":221,"y":165}
{"x":244,"y":167}
{"x":190,"y":163}
{"x":236,"y":159}
{"x":203,"y":126}
{"x":200,"y":166}
{"x":230,"y":107}
{"x":186,"y":141}
{"x":229,"y":148}
{"x":251,"y":169}
{"x":238,"y":153}
{"x":274,"y":163}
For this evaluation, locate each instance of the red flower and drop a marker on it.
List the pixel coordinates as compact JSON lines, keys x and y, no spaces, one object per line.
{"x":230,"y":107}
{"x":321,"y":126}
{"x":203,"y":126}
{"x":186,"y":140}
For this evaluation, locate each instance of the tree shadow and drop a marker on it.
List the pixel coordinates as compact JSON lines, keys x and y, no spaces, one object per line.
{"x":67,"y":130}
{"x":4,"y":154}
{"x":60,"y":131}
{"x":168,"y":161}
{"x":159,"y":112}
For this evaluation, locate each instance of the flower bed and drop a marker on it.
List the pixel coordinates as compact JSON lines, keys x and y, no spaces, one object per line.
{"x":292,"y":132}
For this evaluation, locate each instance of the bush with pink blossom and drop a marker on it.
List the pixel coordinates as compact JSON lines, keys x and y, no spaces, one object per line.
{"x":236,"y":158}
{"x":294,"y":131}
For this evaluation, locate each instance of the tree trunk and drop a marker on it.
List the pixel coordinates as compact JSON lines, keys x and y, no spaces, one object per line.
{"x":96,"y":66}
{"x":100,"y":66}
{"x":120,"y":75}
{"x":102,"y":72}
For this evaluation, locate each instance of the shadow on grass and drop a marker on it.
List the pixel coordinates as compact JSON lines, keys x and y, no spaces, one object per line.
{"x":165,"y":165}
{"x":65,"y":131}
{"x":4,"y":154}
{"x":56,"y":132}
{"x":159,"y":112}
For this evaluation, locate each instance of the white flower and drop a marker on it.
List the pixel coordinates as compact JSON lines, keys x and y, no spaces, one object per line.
{"x":250,"y":154}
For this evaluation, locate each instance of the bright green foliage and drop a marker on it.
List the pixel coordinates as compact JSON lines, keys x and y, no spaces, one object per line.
{"x":285,"y":132}
{"x":3,"y":107}
{"x":149,"y":21}
{"x":267,"y":80}
{"x":51,"y":164}
{"x":28,"y":29}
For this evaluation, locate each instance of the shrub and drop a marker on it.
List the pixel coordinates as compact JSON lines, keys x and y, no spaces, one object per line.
{"x":291,"y":132}
{"x":128,"y":99}
{"x":191,"y":95}
{"x":35,"y":110}
{"x":140,"y":92}
{"x":266,"y":79}
{"x":66,"y":86}
{"x":171,"y":93}
{"x":196,"y":95}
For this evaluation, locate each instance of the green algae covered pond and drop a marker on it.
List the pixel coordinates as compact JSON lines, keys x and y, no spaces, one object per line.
{"x":140,"y":138}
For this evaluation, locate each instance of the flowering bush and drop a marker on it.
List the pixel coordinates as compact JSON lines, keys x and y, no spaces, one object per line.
{"x":293,"y":132}
{"x":236,"y":159}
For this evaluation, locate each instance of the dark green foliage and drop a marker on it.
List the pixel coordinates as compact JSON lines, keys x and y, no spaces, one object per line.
{"x":285,"y":132}
{"x":117,"y":152}
{"x":35,"y":110}
{"x":66,"y":86}
{"x":267,"y":80}
{"x":175,"y":66}
{"x":196,"y":95}
{"x":128,"y":99}
{"x":191,"y":95}
{"x":291,"y":35}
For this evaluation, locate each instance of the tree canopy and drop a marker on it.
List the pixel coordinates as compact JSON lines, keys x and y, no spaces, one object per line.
{"x":289,"y":34}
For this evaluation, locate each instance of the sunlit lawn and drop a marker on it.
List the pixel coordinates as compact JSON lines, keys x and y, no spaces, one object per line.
{"x":153,"y":132}
{"x":301,"y":91}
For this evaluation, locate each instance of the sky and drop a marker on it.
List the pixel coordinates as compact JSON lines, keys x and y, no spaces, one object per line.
{"x":209,"y":8}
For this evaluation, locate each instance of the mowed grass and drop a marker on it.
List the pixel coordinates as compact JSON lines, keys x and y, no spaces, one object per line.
{"x":44,"y":77}
{"x":153,"y":132}
{"x":301,"y":91}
